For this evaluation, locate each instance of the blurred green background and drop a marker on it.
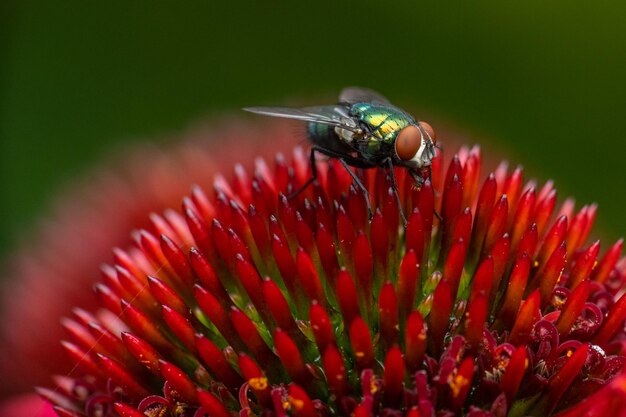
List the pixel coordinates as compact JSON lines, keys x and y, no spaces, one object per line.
{"x":541,"y":82}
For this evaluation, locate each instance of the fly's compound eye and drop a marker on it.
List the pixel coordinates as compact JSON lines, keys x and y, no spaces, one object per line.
{"x":408,"y":142}
{"x":429,"y":129}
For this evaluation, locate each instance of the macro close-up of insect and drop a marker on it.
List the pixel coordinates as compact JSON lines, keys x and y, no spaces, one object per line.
{"x":364,"y":130}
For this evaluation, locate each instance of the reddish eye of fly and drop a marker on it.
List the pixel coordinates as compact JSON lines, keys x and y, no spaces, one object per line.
{"x":429,"y":129}
{"x":408,"y":142}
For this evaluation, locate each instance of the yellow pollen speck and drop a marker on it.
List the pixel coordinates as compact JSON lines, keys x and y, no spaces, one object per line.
{"x":258,"y":384}
{"x":456,"y":384}
{"x":373,"y":387}
{"x":526,"y":363}
{"x":569,"y":353}
{"x":296,"y":404}
{"x":536,"y":264}
{"x":359,"y":354}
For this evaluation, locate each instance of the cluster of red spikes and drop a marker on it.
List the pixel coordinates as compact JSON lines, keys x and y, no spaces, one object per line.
{"x":247,"y":303}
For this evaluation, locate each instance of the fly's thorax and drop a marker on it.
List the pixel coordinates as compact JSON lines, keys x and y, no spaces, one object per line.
{"x":382,"y":122}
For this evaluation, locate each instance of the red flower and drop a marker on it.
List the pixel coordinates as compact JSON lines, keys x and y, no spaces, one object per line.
{"x":247,"y":302}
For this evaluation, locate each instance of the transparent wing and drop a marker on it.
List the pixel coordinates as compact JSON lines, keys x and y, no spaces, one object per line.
{"x":328,"y":115}
{"x":361,"y":95}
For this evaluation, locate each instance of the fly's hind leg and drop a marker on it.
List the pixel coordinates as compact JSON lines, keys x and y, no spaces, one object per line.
{"x":359,"y":184}
{"x":394,"y":187}
{"x":310,"y":180}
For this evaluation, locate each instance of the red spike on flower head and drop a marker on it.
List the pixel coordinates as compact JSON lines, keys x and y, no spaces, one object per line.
{"x":143,"y":325}
{"x":290,"y":357}
{"x":616,"y":315}
{"x":415,"y":340}
{"x":278,"y":306}
{"x":380,"y":241}
{"x":124,"y":410}
{"x":584,"y":264}
{"x":388,"y":314}
{"x":576,"y":232}
{"x":361,"y":341}
{"x":484,"y":208}
{"x":178,"y":261}
{"x":250,"y":335}
{"x":408,"y":283}
{"x":514,"y":373}
{"x":206,"y":274}
{"x":363,"y":268}
{"x":450,"y":210}
{"x":573,"y":307}
{"x":424,"y":201}
{"x":550,"y":274}
{"x":454,"y":266}
{"x":181,"y":327}
{"x":415,"y":234}
{"x":217,"y":363}
{"x":471,"y":176}
{"x":309,"y":280}
{"x":347,"y":297}
{"x":335,"y":371}
{"x":515,"y":289}
{"x":184,"y":387}
{"x":526,"y":317}
{"x":500,"y":254}
{"x":438,"y":320}
{"x":393,"y":377}
{"x":497,"y":223}
{"x":212,"y":404}
{"x":122,"y":378}
{"x":217,"y":314}
{"x":523,"y":216}
{"x":300,"y":402}
{"x":608,"y":262}
{"x":328,"y":252}
{"x":258,"y":228}
{"x":255,"y":379}
{"x":512,"y":190}
{"x":304,"y":234}
{"x":200,"y":231}
{"x":166,"y":295}
{"x":321,"y":326}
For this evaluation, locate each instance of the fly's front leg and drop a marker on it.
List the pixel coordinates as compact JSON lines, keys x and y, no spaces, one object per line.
{"x":359,"y":184}
{"x":419,"y":182}
{"x":394,"y":187}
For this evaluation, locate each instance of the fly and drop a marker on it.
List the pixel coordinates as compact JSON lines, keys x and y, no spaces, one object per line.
{"x":364,"y":130}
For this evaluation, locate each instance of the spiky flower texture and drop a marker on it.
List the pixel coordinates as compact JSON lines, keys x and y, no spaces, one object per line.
{"x":248,"y":303}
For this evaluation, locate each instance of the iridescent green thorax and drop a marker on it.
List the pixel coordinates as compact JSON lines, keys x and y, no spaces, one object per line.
{"x":384,"y":123}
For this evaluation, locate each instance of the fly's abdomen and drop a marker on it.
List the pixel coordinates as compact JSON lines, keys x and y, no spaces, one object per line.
{"x":325,"y":137}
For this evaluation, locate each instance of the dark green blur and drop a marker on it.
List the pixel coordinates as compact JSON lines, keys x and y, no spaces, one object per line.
{"x":543,"y":83}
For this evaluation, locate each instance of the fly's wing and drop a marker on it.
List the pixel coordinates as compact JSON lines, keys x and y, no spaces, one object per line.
{"x":353,"y":95}
{"x":336,"y":116}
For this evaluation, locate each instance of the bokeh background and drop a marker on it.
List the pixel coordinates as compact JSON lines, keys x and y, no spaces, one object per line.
{"x":541,"y":82}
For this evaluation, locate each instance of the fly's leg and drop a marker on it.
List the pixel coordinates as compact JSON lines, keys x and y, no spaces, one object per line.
{"x":359,"y":184}
{"x":310,"y":180}
{"x":394,"y":187}
{"x":430,"y":178}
